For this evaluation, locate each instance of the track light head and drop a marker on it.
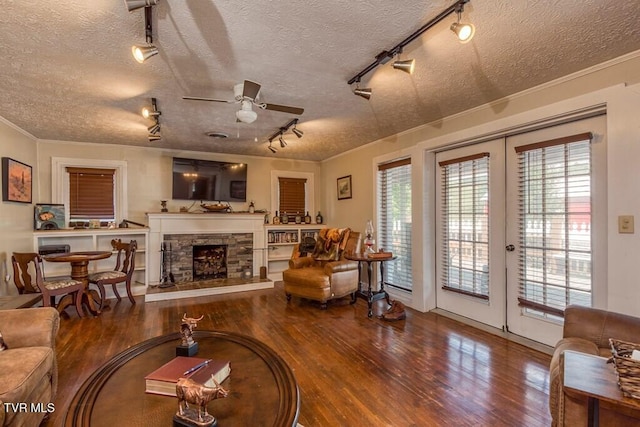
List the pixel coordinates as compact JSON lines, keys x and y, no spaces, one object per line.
{"x":272,"y":149}
{"x":297,"y":132}
{"x":154,"y":128}
{"x":156,"y":137}
{"x":282,"y":142}
{"x":142,"y":53}
{"x":139,"y":4}
{"x":464,"y":31}
{"x":363,"y":92}
{"x":150,"y":112}
{"x":406,"y":65}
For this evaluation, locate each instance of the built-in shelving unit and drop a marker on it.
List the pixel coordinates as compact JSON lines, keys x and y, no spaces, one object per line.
{"x":98,"y":240}
{"x":281,"y":240}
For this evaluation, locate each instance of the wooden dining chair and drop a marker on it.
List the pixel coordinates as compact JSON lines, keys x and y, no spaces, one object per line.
{"x":24,"y":263}
{"x":122,"y":273}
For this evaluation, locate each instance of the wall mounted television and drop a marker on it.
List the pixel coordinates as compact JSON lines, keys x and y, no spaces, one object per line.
{"x":209,"y":180}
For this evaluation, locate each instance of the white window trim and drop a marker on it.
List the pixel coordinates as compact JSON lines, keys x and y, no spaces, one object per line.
{"x":60,"y":183}
{"x":309,"y":193}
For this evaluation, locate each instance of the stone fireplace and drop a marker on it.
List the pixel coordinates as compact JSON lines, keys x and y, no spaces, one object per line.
{"x":242,"y":233}
{"x":209,"y":256}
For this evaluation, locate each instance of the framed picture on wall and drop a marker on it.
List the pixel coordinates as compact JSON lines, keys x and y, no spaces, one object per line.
{"x":48,"y":217}
{"x":16,"y":181}
{"x":344,"y":187}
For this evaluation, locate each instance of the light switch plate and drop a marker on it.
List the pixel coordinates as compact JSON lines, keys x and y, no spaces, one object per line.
{"x":625,"y":224}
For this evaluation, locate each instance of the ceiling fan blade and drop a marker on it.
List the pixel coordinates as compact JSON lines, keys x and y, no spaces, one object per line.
{"x":283,"y":108}
{"x":197,"y":98}
{"x":251,"y":89}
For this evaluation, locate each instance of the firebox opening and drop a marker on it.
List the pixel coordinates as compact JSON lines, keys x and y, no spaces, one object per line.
{"x":209,"y":262}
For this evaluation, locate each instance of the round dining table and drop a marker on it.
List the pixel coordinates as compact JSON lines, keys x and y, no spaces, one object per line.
{"x":80,"y":271}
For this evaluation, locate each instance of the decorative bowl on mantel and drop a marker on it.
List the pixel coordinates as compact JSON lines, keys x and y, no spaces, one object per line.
{"x":216,"y":208}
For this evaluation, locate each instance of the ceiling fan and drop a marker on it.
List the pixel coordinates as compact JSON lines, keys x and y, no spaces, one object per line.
{"x":246,"y":94}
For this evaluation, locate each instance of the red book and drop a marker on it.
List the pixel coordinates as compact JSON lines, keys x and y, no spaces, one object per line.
{"x":163,"y":380}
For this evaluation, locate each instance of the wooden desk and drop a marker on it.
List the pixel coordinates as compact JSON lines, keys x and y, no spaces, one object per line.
{"x":79,"y":271}
{"x":593,"y":377}
{"x":262,"y":388}
{"x":10,"y":302}
{"x":370,"y":294}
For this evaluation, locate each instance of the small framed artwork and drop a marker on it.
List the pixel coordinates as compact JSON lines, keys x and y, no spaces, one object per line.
{"x":344,"y":187}
{"x":16,"y":181}
{"x":49,"y":217}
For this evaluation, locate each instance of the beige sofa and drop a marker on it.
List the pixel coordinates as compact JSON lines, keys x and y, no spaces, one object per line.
{"x":587,"y":330}
{"x":28,"y":369}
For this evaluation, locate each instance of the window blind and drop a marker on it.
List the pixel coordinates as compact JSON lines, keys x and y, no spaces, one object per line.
{"x":465,"y":222}
{"x":91,"y":193}
{"x":292,"y":196}
{"x":554,"y":178}
{"x":394,"y":221}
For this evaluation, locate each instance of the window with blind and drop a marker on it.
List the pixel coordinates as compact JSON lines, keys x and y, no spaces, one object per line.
{"x":394,"y":220}
{"x":292,"y":196}
{"x":465,"y":219}
{"x":555,"y":224}
{"x":91,"y":193}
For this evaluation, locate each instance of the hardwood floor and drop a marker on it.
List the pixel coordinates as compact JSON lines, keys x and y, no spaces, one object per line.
{"x":427,"y":370}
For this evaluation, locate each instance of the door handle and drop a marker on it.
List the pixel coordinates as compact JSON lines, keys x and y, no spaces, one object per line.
{"x":510,"y":248}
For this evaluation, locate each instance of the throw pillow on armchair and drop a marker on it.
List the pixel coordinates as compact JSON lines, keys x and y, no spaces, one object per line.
{"x":330,"y":244}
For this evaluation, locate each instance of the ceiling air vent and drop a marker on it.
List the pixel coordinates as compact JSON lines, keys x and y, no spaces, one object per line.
{"x":218,"y":135}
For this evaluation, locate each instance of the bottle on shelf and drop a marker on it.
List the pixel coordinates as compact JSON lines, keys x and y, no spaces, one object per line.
{"x":318,"y":218}
{"x":285,"y":218}
{"x":298,"y":218}
{"x":307,"y":218}
{"x":276,"y":219}
{"x":252,"y":207}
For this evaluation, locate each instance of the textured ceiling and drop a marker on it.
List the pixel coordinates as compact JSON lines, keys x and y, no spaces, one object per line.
{"x":68,"y":74}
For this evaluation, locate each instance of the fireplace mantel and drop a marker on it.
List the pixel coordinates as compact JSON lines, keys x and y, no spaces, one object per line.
{"x":161,"y":224}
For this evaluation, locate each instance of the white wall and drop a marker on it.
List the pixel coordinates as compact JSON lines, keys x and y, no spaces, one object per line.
{"x":16,"y":219}
{"x":611,"y":83}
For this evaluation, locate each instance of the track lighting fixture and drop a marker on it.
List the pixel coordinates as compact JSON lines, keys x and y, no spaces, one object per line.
{"x":363,"y":92}
{"x":272,"y":148}
{"x":139,"y":4}
{"x":464,"y":32}
{"x":154,"y":128}
{"x":142,"y":53}
{"x":153,"y":114}
{"x":297,"y":132}
{"x":279,"y":134}
{"x":152,"y":111}
{"x":406,"y":65}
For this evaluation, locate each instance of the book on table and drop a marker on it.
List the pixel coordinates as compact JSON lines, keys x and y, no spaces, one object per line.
{"x":164,"y":379}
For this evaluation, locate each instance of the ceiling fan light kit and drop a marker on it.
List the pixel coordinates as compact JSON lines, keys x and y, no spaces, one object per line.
{"x":246,"y":94}
{"x":464,"y":31}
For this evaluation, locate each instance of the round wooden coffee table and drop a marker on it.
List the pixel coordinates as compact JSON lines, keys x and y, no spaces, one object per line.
{"x":262,"y":388}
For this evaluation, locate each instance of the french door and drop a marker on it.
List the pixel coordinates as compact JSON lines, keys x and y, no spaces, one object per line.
{"x":521,"y":227}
